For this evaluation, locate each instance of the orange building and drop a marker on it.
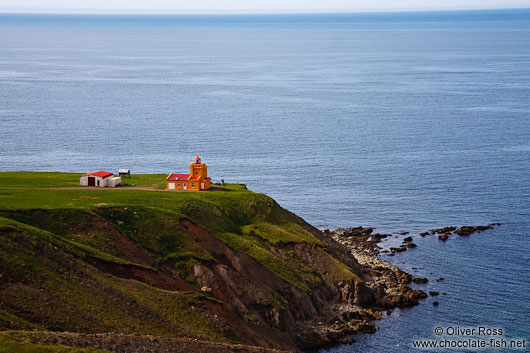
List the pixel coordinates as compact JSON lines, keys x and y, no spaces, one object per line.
{"x":197,"y":179}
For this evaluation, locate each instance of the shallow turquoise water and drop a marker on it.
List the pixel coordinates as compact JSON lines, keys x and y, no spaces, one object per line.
{"x":403,"y":122}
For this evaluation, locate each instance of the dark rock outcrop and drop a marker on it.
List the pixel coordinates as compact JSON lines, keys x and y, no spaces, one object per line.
{"x":399,"y":249}
{"x":353,"y":232}
{"x":444,"y":230}
{"x":420,"y":280}
{"x":468,"y":230}
{"x":364,"y":296}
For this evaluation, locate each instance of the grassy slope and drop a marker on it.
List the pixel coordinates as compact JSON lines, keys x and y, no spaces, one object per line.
{"x":11,"y":342}
{"x":44,"y":230}
{"x":84,"y":299}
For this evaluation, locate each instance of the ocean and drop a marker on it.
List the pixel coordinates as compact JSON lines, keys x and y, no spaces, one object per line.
{"x":400,"y":121}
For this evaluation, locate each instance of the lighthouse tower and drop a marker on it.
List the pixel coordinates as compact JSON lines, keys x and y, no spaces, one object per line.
{"x":198,"y":170}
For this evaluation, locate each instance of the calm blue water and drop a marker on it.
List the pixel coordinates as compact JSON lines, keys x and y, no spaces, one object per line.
{"x":404,"y":122}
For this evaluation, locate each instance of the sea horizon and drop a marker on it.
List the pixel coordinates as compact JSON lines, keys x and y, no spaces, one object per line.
{"x":424,"y":15}
{"x":253,"y":12}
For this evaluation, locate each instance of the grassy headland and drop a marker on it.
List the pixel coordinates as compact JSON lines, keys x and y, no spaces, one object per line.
{"x":151,"y":262}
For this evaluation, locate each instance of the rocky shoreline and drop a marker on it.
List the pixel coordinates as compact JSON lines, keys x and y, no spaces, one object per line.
{"x":389,"y":286}
{"x":276,"y":285}
{"x":363,"y":241}
{"x":384,"y":288}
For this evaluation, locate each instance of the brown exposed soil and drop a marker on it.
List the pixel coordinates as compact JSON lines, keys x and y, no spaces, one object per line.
{"x":126,"y":248}
{"x":244,"y":285}
{"x":161,"y":279}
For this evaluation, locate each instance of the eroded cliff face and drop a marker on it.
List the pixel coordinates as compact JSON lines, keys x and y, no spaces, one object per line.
{"x":273,"y":281}
{"x":329,"y":313}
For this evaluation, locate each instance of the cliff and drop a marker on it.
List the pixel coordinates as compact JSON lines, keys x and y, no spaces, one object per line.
{"x":226,"y":268}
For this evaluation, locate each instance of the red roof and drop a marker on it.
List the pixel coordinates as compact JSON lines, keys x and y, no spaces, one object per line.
{"x":174,"y":176}
{"x":100,"y":174}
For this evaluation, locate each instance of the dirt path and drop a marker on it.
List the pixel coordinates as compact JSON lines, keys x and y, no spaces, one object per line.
{"x":82,"y":188}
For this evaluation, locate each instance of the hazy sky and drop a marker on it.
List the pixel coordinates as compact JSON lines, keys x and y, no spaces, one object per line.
{"x":249,"y":5}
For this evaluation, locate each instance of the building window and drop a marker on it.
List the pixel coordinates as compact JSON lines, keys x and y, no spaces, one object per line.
{"x":178,"y":184}
{"x":192,"y":185}
{"x":195,"y":172}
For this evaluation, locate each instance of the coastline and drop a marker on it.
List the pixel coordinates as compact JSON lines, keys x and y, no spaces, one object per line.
{"x":298,"y":289}
{"x":311,"y":289}
{"x":390,"y":286}
{"x":391,"y":283}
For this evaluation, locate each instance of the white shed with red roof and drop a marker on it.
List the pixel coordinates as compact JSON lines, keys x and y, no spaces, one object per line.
{"x":99,"y":178}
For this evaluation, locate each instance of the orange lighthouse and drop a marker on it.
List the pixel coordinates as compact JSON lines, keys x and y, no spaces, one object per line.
{"x":196,"y":180}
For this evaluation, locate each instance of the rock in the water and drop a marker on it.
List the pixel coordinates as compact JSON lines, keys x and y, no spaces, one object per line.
{"x":443,"y":237}
{"x":407,"y":239}
{"x":411,"y":245}
{"x":465,"y":230}
{"x":433,"y":293}
{"x":435,"y":303}
{"x":400,"y":249}
{"x":424,"y":234}
{"x":444,"y":230}
{"x":468,"y":230}
{"x":408,"y":297}
{"x":353,"y":232}
{"x":420,"y":280}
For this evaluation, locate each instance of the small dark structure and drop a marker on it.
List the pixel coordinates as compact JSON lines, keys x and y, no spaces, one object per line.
{"x":124,"y":173}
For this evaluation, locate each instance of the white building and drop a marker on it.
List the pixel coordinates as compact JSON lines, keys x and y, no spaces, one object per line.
{"x":124,"y":173}
{"x":100,"y":178}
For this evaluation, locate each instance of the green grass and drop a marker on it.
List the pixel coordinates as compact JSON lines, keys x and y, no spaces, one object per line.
{"x":157,"y":181}
{"x":16,"y":342}
{"x":39,"y":180}
{"x":281,"y":235}
{"x":75,"y":248}
{"x":13,"y":322}
{"x":59,"y":180}
{"x":56,"y":291}
{"x":338,"y":271}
